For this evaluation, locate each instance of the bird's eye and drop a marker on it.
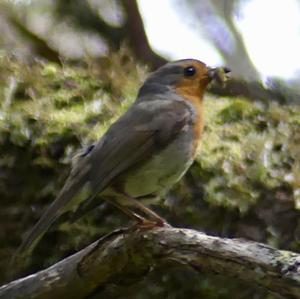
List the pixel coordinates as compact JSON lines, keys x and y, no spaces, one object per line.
{"x":189,"y":71}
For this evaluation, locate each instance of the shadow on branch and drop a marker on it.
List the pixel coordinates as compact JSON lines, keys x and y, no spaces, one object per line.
{"x":131,"y":254}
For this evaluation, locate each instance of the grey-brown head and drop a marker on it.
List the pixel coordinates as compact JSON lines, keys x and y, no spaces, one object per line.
{"x":188,"y":75}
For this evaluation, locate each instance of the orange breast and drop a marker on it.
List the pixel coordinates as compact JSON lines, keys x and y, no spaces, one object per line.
{"x":194,"y":95}
{"x":199,"y":123}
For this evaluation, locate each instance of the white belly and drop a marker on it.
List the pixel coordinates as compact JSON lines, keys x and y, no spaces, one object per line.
{"x":163,"y":170}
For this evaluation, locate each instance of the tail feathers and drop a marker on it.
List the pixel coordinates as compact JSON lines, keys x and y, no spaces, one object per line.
{"x":87,"y":205}
{"x":57,"y":208}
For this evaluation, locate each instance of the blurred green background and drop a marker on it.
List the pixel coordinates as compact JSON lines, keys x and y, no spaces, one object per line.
{"x":68,"y":69}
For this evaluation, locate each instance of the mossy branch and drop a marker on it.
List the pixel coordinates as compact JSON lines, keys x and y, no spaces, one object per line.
{"x":127,"y":255}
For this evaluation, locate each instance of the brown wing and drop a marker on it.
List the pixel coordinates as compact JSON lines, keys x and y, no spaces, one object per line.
{"x":144,"y":129}
{"x":141,"y":132}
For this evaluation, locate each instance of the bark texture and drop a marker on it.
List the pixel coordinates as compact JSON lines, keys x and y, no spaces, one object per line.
{"x":127,"y":255}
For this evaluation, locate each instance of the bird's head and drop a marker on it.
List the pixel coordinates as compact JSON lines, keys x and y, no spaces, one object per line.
{"x":188,"y":77}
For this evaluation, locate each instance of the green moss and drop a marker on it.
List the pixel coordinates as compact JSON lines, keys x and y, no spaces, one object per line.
{"x":238,"y":110}
{"x":247,"y":148}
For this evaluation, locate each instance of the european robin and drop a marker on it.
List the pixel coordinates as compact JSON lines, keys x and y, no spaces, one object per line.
{"x":147,"y":150}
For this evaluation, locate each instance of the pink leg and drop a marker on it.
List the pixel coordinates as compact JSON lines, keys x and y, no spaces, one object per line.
{"x":152,"y":218}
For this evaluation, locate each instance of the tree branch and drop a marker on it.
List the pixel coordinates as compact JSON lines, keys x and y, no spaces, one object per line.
{"x":255,"y":91}
{"x":137,"y":38}
{"x":133,"y":253}
{"x":132,"y":31}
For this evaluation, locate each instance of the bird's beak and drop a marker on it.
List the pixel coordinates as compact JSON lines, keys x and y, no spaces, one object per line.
{"x":219,"y":74}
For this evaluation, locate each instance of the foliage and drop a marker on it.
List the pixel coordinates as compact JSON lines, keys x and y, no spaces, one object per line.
{"x":249,"y":147}
{"x":245,"y":182}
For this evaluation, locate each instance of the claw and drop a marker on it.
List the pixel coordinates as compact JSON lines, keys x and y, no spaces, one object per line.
{"x":148,"y":224}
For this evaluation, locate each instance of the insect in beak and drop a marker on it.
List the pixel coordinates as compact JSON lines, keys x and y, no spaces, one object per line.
{"x":219,"y":74}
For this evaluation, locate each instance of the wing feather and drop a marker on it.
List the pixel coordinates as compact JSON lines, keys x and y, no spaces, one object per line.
{"x":138,"y":134}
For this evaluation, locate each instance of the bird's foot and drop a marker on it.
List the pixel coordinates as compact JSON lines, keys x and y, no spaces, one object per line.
{"x":149,"y":224}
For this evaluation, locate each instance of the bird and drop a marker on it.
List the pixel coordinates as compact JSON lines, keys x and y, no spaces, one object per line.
{"x":145,"y":152}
